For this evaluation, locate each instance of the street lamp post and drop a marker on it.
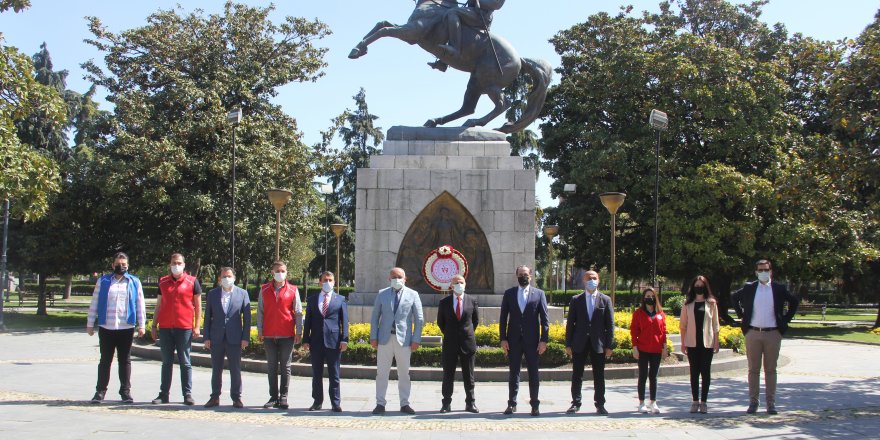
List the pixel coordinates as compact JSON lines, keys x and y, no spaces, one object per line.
{"x":278,"y":198}
{"x":338,"y":229}
{"x":5,"y":276}
{"x":233,"y":118}
{"x":326,"y":189}
{"x":659,"y":122}
{"x":550,"y":231}
{"x":612,"y":202}
{"x":568,"y":188}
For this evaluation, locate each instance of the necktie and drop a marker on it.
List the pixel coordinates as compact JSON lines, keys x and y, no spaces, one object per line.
{"x":396,"y":301}
{"x":523,"y":300}
{"x":324,"y":306}
{"x":458,"y":311}
{"x":590,"y":306}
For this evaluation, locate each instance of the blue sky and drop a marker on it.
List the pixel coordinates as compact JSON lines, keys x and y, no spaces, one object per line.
{"x":401,"y":88}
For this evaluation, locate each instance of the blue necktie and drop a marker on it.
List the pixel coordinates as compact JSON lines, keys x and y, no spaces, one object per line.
{"x":590,"y":306}
{"x":396,"y":301}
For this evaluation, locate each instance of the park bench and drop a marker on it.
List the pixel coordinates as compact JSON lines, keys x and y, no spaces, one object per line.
{"x":805,"y":309}
{"x":24,"y":295}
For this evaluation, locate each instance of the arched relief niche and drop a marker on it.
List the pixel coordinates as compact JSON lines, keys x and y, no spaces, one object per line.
{"x":446,"y":221}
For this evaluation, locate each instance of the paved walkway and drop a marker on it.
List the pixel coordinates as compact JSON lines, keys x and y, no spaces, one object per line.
{"x":826,"y":390}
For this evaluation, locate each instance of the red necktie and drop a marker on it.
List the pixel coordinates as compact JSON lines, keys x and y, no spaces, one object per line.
{"x":324,"y":306}
{"x":458,"y":312}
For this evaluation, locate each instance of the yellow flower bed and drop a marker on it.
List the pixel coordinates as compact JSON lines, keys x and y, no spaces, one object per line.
{"x":875,"y":330}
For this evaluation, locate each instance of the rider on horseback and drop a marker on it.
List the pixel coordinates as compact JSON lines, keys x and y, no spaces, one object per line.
{"x":476,"y":14}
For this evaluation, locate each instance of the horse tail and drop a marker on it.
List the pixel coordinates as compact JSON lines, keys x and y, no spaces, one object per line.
{"x":541,"y":73}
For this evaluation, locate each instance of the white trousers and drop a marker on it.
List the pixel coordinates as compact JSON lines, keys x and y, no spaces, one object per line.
{"x":388,"y":352}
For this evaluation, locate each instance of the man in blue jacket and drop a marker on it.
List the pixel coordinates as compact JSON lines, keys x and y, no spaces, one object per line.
{"x":325,"y":336}
{"x":227,"y":333}
{"x":524,"y":330}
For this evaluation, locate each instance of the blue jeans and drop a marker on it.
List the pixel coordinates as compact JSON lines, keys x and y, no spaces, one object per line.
{"x":179,"y":339}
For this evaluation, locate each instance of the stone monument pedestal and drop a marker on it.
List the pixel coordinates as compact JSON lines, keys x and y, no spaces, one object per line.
{"x":438,"y":186}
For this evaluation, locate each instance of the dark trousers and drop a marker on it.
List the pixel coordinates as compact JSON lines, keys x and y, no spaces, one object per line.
{"x":515,"y":358}
{"x":700,"y":361}
{"x":322,"y":355}
{"x":232,"y":353}
{"x":118,"y":341}
{"x":179,"y":340}
{"x":597,"y":364}
{"x":278,"y":351}
{"x":451,"y":358}
{"x":649,"y":366}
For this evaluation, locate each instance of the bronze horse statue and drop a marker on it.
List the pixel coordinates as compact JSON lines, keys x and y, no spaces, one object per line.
{"x":492,"y":62}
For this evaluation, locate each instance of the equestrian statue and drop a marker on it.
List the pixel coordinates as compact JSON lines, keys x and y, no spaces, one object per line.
{"x":459,"y":37}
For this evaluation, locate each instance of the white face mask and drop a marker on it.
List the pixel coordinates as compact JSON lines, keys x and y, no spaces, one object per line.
{"x":396,"y":283}
{"x":763,"y":277}
{"x":227,"y":282}
{"x":280,"y":276}
{"x":327,"y":286}
{"x":177,"y":269}
{"x":458,"y":288}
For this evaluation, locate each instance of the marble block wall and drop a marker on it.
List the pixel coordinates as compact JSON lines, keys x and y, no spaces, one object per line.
{"x":410,"y":174}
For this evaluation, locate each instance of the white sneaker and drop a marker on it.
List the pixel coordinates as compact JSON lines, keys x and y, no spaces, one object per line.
{"x":643,"y":408}
{"x":654,"y":408}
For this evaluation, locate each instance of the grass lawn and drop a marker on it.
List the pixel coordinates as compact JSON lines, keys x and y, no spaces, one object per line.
{"x":30,"y":321}
{"x":860,"y":334}
{"x":840,"y":314}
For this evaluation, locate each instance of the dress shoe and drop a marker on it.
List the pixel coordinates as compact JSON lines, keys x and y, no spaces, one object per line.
{"x":282,"y":403}
{"x":535,"y":411}
{"x":573,"y":408}
{"x":212,"y":402}
{"x":161,"y":398}
{"x":336,"y":408}
{"x":601,"y":410}
{"x":472,"y":408}
{"x":237,"y":403}
{"x":315,"y":407}
{"x":406,"y":409}
{"x":703,"y":408}
{"x":695,"y":407}
{"x":753,"y":408}
{"x":126,"y":398}
{"x":98,"y":397}
{"x":379,"y":409}
{"x":445,"y":409}
{"x":188,"y":400}
{"x":272,"y":403}
{"x":510,"y":410}
{"x":771,"y":409}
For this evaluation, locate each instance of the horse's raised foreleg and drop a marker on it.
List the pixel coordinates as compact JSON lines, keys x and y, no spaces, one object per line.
{"x":501,"y":105}
{"x":471,"y":97}
{"x":361,"y":48}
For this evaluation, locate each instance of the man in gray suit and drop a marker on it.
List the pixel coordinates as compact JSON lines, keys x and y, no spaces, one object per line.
{"x":395,"y":331}
{"x":227,"y":332}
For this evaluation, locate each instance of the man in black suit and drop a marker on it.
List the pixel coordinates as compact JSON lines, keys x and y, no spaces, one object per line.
{"x":589,"y":329}
{"x":761,"y":306}
{"x":325,"y":336}
{"x":524,"y":330}
{"x":457,"y":316}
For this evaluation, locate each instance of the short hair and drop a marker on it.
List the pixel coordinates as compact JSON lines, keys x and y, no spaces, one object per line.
{"x":589,"y":272}
{"x":279,"y":263}
{"x":224,"y":269}
{"x":177,"y":254}
{"x":458,"y":277}
{"x":119,"y":255}
{"x":326,"y":273}
{"x":522,"y":266}
{"x":763,"y":261}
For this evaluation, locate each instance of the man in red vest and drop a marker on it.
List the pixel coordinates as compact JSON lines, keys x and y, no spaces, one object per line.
{"x":279,"y":327}
{"x":178,"y":316}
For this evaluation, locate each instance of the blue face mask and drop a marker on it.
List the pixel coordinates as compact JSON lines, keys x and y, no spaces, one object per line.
{"x":592,"y":284}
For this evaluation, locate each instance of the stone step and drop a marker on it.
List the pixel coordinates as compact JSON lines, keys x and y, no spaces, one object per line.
{"x":447,"y":162}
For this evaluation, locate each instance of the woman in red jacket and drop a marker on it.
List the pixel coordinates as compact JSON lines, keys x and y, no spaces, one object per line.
{"x":648,"y":332}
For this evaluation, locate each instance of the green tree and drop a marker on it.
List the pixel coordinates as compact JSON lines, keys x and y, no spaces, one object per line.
{"x":167,"y":168}
{"x":735,"y":176}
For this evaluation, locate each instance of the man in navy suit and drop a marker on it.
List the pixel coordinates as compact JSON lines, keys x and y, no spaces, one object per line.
{"x":395,"y":332}
{"x":227,"y":332}
{"x":457,"y":316}
{"x":524,"y":330}
{"x":589,"y":330}
{"x":325,"y":335}
{"x":761,"y":306}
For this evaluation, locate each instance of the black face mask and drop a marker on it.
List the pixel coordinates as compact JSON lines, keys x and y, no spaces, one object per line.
{"x":119,"y":270}
{"x":700,"y":290}
{"x":650,"y":301}
{"x":523,"y":280}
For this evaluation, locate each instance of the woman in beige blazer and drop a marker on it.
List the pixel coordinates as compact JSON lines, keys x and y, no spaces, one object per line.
{"x":699,"y":330}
